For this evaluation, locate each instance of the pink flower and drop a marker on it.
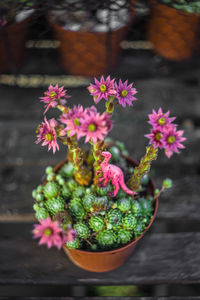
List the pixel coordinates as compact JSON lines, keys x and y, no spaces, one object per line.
{"x":125,"y":93}
{"x":95,"y":126}
{"x":50,"y":233}
{"x":47,"y":133}
{"x":71,"y":235}
{"x":73,"y":121}
{"x":53,"y":97}
{"x":172,"y":140}
{"x":102,"y":89}
{"x":156,"y":138}
{"x":160,"y":119}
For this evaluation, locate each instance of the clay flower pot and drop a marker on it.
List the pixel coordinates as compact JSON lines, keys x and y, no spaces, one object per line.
{"x":90,"y":53}
{"x":172,"y":31}
{"x":107,"y":260}
{"x":12,"y":45}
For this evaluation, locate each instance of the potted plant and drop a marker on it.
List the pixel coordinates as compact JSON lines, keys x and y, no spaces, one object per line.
{"x":14,"y":19}
{"x":99,"y":202}
{"x":172,"y":28}
{"x":90,"y":35}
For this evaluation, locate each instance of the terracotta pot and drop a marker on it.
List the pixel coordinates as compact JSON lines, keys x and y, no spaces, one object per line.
{"x":172,"y":32}
{"x":12,"y":45}
{"x":107,"y":260}
{"x":89,"y":53}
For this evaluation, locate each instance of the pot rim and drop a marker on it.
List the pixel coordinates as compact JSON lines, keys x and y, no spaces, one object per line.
{"x":133,"y":162}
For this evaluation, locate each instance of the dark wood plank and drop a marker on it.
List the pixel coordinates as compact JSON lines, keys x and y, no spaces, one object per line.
{"x":159,"y":258}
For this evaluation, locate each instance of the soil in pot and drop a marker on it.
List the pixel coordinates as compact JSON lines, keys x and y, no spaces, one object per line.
{"x":172,"y":31}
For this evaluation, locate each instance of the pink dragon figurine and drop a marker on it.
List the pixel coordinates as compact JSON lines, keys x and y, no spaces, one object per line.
{"x":113,"y":173}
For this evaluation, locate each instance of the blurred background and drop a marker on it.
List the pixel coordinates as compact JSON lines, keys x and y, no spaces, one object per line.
{"x":155,"y":44}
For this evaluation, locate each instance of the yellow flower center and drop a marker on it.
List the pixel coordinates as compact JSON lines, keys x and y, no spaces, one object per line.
{"x":162,"y":121}
{"x":102,"y":88}
{"x":92,"y":127}
{"x":124,"y":93}
{"x":47,"y":232}
{"x":171,"y":139}
{"x":158,"y":136}
{"x":52,"y":94}
{"x":49,"y":137}
{"x":77,"y":122}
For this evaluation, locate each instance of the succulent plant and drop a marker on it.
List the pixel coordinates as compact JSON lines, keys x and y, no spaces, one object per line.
{"x":64,"y":220}
{"x":115,"y":151}
{"x":55,"y":205}
{"x":121,"y":194}
{"x":66,"y":193}
{"x":76,"y":209}
{"x":103,"y":191}
{"x":123,"y":236}
{"x":96,"y":223}
{"x":146,"y":207}
{"x":136,"y":208}
{"x":114,"y":219}
{"x":60,"y":179}
{"x":75,"y":244}
{"x":67,"y":170}
{"x":72,"y":184}
{"x":185,"y":5}
{"x":139,"y":228}
{"x":129,"y":221}
{"x":106,"y":238}
{"x":100,"y":203}
{"x":124,"y":204}
{"x":49,"y":170}
{"x":41,"y":213}
{"x":145,"y":179}
{"x":50,"y":177}
{"x":88,"y":201}
{"x":39,"y":197}
{"x":79,"y":192}
{"x":51,"y":189}
{"x":82,"y":230}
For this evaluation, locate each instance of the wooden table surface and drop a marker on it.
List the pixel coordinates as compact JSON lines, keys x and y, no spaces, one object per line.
{"x":169,"y":253}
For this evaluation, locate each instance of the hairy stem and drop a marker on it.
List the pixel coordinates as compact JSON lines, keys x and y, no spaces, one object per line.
{"x":82,"y":174}
{"x":96,"y":151}
{"x":144,"y":167}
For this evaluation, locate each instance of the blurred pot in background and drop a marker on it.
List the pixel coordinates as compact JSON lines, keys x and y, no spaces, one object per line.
{"x":173,"y":28}
{"x":15,"y":17}
{"x":90,"y":36}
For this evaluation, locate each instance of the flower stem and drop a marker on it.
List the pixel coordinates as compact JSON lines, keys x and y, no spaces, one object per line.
{"x":82,"y":174}
{"x":144,"y":167}
{"x":89,"y":242}
{"x":96,"y":151}
{"x":110,"y":106}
